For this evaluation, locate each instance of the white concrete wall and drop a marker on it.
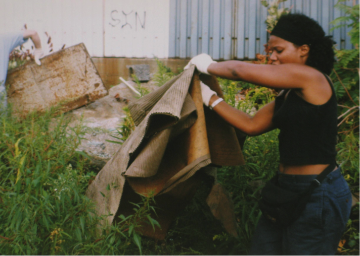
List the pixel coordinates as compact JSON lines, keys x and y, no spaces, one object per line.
{"x":117,"y":28}
{"x":136,"y":28}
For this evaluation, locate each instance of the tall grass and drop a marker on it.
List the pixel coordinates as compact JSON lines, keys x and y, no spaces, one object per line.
{"x":43,"y":207}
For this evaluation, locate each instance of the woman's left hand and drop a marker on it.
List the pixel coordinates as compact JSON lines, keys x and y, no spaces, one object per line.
{"x":202,"y":62}
{"x":206,"y":93}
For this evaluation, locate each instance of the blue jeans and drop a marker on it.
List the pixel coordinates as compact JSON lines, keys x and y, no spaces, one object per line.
{"x":320,"y":226}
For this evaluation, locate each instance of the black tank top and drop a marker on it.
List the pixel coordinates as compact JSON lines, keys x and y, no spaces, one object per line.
{"x":308,"y":132}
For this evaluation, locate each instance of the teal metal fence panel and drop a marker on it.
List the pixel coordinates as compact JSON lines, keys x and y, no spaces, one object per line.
{"x":236,"y":29}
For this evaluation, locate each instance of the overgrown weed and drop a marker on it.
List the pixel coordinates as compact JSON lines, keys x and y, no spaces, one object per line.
{"x":43,"y":207}
{"x":163,"y":73}
{"x":345,"y":76}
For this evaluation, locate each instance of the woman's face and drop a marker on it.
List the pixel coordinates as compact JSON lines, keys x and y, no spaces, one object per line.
{"x":282,"y":51}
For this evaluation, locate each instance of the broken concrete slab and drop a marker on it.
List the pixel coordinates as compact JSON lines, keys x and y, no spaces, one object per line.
{"x":67,"y":77}
{"x":101,"y":119}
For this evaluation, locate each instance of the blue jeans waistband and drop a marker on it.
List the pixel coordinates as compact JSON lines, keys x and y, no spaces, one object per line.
{"x":308,"y":178}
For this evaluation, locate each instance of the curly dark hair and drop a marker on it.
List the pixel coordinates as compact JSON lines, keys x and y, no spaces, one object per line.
{"x":300,"y":29}
{"x":322,"y":56}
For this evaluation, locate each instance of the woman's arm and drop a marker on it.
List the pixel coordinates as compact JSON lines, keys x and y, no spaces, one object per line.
{"x":284,"y":76}
{"x":311,"y":84}
{"x":260,"y":123}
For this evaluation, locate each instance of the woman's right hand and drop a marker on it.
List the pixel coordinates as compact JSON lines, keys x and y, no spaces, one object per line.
{"x":202,"y":62}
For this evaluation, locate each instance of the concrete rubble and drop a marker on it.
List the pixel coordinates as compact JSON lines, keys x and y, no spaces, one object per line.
{"x":101,"y":119}
{"x":67,"y":77}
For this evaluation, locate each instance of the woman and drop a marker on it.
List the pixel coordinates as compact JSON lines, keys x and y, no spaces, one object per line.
{"x":306,"y":114}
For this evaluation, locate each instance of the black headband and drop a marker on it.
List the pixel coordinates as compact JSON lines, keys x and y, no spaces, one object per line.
{"x":296,"y":28}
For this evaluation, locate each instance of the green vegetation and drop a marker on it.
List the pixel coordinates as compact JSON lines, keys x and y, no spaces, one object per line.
{"x":163,"y":74}
{"x":346,"y":82}
{"x":43,"y":207}
{"x":19,"y":57}
{"x":141,"y":89}
{"x":274,"y":12}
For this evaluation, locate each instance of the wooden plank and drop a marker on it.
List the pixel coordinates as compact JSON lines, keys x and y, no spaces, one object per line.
{"x":67,"y":77}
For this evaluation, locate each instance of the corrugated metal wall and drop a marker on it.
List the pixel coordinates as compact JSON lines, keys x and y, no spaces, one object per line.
{"x":236,"y":29}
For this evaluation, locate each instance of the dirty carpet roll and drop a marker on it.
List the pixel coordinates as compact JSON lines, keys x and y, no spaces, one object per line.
{"x":173,"y":140}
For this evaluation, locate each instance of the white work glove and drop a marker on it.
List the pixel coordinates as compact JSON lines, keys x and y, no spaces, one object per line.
{"x":38,"y":53}
{"x":202,"y":62}
{"x":206,"y":93}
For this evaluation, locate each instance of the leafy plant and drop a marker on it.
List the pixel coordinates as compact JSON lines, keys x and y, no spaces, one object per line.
{"x":123,"y":132}
{"x":345,"y":76}
{"x":141,"y":89}
{"x":351,"y":17}
{"x":163,"y":73}
{"x":274,"y":12}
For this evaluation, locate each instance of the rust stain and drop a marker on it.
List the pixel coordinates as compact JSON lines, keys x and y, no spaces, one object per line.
{"x":11,"y":93}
